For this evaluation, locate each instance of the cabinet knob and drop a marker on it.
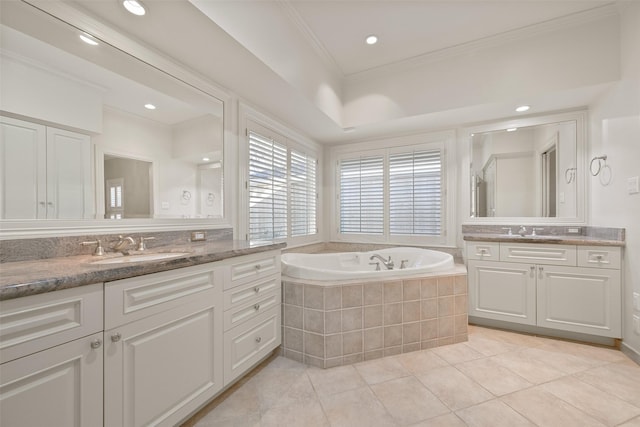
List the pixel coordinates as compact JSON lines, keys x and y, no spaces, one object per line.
{"x":483,"y":251}
{"x":42,"y":203}
{"x":258,"y":339}
{"x":257,"y":307}
{"x":96,"y":343}
{"x":257,"y":267}
{"x":599,"y":258}
{"x":540,"y":272}
{"x":533,"y":269}
{"x":116,"y":337}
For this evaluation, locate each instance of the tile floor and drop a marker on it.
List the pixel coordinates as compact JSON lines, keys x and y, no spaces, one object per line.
{"x":495,"y":379}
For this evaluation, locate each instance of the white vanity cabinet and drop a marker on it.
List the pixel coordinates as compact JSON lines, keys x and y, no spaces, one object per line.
{"x":46,"y":172}
{"x":564,"y":287}
{"x":51,"y":350}
{"x":252,"y":312}
{"x":163,"y":345}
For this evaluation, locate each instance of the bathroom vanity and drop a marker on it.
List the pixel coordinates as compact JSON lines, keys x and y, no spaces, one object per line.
{"x":561,"y":283}
{"x":150,"y":347}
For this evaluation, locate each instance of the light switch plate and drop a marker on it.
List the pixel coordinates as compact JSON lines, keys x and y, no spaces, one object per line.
{"x":636,"y":301}
{"x":633,"y":185}
{"x":165,"y":205}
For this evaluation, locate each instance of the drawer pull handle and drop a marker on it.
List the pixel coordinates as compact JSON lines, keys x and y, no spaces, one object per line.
{"x":96,"y":343}
{"x":116,"y":337}
{"x":256,"y":289}
{"x":483,"y":252}
{"x":540,"y":272}
{"x":257,"y":307}
{"x":257,"y":267}
{"x":533,"y":269}
{"x":599,"y":258}
{"x":259,"y":339}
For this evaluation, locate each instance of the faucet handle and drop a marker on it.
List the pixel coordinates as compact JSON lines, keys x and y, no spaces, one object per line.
{"x":141,"y":245}
{"x":99,"y":249}
{"x":403,"y":263}
{"x":377,"y":264}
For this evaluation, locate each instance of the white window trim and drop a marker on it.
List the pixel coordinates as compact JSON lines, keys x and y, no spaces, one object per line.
{"x":251,"y":119}
{"x":444,"y":141}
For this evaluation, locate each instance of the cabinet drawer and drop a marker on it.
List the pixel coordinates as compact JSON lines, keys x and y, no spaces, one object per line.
{"x":250,"y":309}
{"x":132,"y":299}
{"x":38,"y":322}
{"x":536,"y":253}
{"x":251,"y":292}
{"x":599,"y":256}
{"x":488,"y":251}
{"x":246,"y":344}
{"x":251,"y":267}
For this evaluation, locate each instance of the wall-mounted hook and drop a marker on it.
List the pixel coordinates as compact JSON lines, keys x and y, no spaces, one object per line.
{"x":570,"y":175}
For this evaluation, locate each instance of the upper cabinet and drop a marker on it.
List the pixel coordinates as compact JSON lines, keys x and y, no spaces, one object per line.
{"x":46,"y":172}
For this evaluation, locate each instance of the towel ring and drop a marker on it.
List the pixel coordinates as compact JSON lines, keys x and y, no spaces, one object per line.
{"x":570,"y":175}
{"x":605,"y":175}
{"x":186,"y":195}
{"x":602,"y":161}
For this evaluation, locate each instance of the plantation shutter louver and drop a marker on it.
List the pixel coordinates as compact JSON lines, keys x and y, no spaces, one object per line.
{"x":267,"y":188}
{"x":362,"y":195}
{"x":302,"y":194}
{"x":415,"y":193}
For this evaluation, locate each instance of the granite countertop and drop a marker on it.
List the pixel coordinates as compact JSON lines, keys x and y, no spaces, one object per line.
{"x":23,"y":278}
{"x":560,"y":240}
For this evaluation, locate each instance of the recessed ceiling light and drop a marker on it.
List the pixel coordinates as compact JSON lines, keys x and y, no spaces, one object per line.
{"x":372,"y":39}
{"x":512,"y":129}
{"x":88,"y":39}
{"x":522,"y":108}
{"x":149,"y":106}
{"x":134,"y":6}
{"x":205,"y":159}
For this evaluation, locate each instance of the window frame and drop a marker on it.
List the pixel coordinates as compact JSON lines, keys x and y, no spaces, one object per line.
{"x":257,"y":123}
{"x":444,"y":142}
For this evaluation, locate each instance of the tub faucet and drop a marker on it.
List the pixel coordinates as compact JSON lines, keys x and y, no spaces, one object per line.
{"x":122,"y":245}
{"x":388,"y":263}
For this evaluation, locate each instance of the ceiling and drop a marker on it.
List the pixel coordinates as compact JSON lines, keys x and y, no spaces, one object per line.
{"x":305,"y":62}
{"x":408,"y":29}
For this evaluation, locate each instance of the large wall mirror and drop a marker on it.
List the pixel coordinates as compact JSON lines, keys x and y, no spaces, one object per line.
{"x":156,"y":149}
{"x":528,"y":168}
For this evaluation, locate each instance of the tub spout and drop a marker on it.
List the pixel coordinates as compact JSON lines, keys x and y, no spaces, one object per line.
{"x":387,"y":263}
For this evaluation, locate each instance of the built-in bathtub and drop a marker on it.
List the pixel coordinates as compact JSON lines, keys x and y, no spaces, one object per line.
{"x":338,"y":310}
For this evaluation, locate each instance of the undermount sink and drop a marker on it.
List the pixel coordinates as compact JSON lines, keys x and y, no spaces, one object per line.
{"x":142,"y":257}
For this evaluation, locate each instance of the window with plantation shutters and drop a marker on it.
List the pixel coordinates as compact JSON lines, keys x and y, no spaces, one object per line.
{"x":267,"y":188}
{"x":362,"y":195}
{"x":302,"y":193}
{"x":415,"y":193}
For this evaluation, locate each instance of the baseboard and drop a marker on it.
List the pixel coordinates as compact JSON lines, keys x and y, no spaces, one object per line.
{"x":631,"y":352}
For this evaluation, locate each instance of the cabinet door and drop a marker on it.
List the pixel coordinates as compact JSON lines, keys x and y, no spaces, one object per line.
{"x":160,"y":369}
{"x":69,"y":183}
{"x":22,"y":170}
{"x":61,"y":386}
{"x":502,"y":291}
{"x":586,"y":300}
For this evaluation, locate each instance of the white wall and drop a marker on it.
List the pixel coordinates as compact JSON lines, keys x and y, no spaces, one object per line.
{"x":615,"y":131}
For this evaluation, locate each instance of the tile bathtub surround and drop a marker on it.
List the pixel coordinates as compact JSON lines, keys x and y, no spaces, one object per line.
{"x":496,"y":378}
{"x":326,"y":326}
{"x":54,"y":247}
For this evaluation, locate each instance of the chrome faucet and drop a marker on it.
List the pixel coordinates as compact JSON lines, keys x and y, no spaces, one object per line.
{"x":388,"y":263}
{"x":122,"y":245}
{"x":522,"y":231}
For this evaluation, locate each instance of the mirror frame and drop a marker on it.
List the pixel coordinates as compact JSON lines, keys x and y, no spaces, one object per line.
{"x":580,"y":117}
{"x":16,"y":229}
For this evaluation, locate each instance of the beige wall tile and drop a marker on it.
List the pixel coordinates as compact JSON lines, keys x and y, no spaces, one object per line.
{"x":332,"y":321}
{"x":411,"y":333}
{"x":392,"y":336}
{"x":294,"y":355}
{"x":293,"y":293}
{"x":461,"y":306}
{"x":314,"y":320}
{"x":333,"y":362}
{"x":429,"y":288}
{"x":460,"y":285}
{"x":314,"y":297}
{"x":429,"y":308}
{"x":408,"y":348}
{"x":392,"y":292}
{"x":428,"y":329}
{"x":445,"y":285}
{"x":445,"y":327}
{"x":333,"y":346}
{"x":411,"y":311}
{"x":372,"y":316}
{"x":293,"y":339}
{"x":351,"y":319}
{"x":411,"y":290}
{"x":372,"y":293}
{"x":316,"y":362}
{"x":314,"y":345}
{"x":351,"y":296}
{"x":392,"y":351}
{"x":332,"y":297}
{"x":426,"y":345}
{"x":460,"y":324}
{"x":445,"y":306}
{"x":373,"y":339}
{"x":352,"y":342}
{"x":353,"y":358}
{"x":293,"y":316}
{"x":372,"y":355}
{"x":393,"y":314}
